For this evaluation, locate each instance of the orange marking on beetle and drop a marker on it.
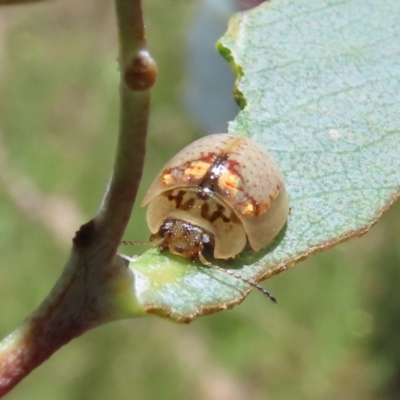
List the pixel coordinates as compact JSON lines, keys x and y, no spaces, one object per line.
{"x":229,"y":182}
{"x":196,"y":170}
{"x":247,"y":209}
{"x":167,"y":179}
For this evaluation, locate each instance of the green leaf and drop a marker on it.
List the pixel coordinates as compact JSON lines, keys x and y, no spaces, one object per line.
{"x":319,"y":84}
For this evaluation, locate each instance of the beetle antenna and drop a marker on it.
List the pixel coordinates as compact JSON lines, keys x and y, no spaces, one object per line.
{"x":237,"y":276}
{"x":131,"y":243}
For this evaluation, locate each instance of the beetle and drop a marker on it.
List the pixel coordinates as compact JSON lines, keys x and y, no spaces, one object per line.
{"x":218,"y":194}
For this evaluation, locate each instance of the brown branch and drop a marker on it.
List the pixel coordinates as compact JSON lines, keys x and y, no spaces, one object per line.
{"x":96,"y":286}
{"x":138,"y":74}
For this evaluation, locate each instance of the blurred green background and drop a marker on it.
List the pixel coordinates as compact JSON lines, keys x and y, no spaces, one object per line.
{"x":334,"y":334}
